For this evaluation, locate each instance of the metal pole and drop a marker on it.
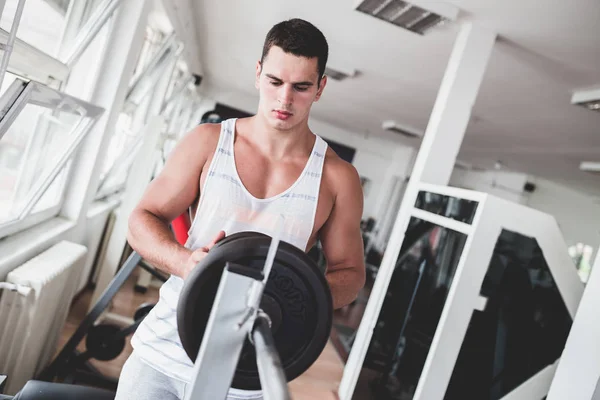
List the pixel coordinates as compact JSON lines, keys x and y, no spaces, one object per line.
{"x":8,"y":48}
{"x":270,"y":371}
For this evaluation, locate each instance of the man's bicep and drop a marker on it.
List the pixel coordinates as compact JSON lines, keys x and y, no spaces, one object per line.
{"x":177,"y":185}
{"x":341,"y":236}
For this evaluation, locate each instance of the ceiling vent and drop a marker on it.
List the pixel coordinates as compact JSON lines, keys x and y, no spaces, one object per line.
{"x":408,"y":132}
{"x":415,"y":17}
{"x":588,"y":166}
{"x":338,"y":75}
{"x":589,"y":98}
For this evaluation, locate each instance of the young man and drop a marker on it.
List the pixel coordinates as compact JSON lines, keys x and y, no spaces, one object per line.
{"x":244,"y":175}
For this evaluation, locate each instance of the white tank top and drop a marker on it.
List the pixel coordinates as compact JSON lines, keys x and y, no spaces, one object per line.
{"x":225,"y":204}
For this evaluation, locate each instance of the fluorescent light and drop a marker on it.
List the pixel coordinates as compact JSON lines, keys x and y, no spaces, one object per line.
{"x":590,"y":166}
{"x":588,"y":98}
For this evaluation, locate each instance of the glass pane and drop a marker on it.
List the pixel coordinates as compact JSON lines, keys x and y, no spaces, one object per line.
{"x":411,"y":310}
{"x":523,"y":329}
{"x":119,"y":141}
{"x":85,"y":71}
{"x":41,"y":24}
{"x":28,"y":150}
{"x":451,"y":207}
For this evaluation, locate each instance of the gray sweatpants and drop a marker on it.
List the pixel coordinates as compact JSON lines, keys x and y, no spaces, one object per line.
{"x":139,"y":381}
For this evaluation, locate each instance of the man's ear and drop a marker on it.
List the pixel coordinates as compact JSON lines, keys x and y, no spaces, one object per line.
{"x":258,"y":71}
{"x":321,"y":87}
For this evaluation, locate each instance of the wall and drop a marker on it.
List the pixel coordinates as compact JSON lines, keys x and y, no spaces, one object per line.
{"x":376,"y":159}
{"x":577,"y":213}
{"x":506,"y":185}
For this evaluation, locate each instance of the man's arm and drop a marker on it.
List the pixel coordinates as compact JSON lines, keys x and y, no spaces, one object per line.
{"x":342,"y":240}
{"x":168,"y":196}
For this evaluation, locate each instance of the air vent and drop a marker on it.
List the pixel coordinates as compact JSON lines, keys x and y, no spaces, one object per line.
{"x":338,"y":75}
{"x":589,"y":166}
{"x":393,"y":126}
{"x":410,"y":16}
{"x":589,"y":98}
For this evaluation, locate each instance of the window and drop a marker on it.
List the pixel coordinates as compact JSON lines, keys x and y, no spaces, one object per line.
{"x":582,"y":257}
{"x":39,"y":131}
{"x":86,"y":69}
{"x":41,"y":24}
{"x":128,"y":136}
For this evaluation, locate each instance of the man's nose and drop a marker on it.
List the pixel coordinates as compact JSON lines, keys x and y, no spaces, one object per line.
{"x":286,"y":95}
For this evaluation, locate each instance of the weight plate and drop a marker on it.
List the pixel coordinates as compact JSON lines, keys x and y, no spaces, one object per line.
{"x":101,"y":343}
{"x":296,"y":297}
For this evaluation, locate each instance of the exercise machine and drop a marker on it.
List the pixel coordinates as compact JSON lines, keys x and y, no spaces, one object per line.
{"x":104,"y":341}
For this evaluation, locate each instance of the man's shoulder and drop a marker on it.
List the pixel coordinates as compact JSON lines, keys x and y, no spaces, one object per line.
{"x":339,"y":174}
{"x":205,"y":133}
{"x":201,"y":139}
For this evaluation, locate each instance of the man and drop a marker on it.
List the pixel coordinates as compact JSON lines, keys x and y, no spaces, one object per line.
{"x":244,"y":175}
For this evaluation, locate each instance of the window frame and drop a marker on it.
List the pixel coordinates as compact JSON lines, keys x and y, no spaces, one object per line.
{"x":17,"y":97}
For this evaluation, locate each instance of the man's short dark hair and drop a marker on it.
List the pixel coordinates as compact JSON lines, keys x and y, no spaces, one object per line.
{"x":300,"y":38}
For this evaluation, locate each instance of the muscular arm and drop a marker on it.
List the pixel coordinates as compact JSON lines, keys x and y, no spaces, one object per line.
{"x":169,"y":195}
{"x":342,"y":240}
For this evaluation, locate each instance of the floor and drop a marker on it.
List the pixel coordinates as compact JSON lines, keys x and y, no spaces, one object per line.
{"x":318,"y":382}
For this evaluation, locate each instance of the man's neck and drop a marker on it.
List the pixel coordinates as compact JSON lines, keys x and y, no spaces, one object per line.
{"x":279,"y":144}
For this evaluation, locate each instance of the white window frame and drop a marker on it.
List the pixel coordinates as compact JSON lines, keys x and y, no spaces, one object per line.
{"x":31,"y":63}
{"x":139,"y":90}
{"x":94,"y":24}
{"x":16,"y":98}
{"x":143,"y":83}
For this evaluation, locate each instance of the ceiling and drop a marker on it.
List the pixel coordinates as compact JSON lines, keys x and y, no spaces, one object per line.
{"x":522,"y":116}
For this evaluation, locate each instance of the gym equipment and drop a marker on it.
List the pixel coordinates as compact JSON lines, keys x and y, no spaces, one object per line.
{"x":103,"y":341}
{"x":245,"y":331}
{"x":262,"y":339}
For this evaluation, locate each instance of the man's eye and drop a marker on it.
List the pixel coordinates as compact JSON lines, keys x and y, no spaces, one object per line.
{"x":301,"y":88}
{"x":275,"y":83}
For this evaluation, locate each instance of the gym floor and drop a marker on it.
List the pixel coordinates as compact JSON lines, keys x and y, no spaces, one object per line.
{"x":323,"y":377}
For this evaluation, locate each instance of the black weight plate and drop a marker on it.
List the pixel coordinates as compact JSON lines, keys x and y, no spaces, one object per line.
{"x":101,"y":343}
{"x":297,"y":298}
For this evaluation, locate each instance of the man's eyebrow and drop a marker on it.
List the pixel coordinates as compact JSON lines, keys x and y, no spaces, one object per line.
{"x":305,"y":83}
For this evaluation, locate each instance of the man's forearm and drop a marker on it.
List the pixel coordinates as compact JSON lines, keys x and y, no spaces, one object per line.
{"x":345,"y":285}
{"x":154,"y":241}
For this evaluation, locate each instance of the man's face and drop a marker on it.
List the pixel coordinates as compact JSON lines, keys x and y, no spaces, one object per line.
{"x":288,"y":87}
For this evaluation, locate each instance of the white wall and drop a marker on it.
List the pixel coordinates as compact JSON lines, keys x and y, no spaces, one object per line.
{"x":577,"y":213}
{"x":506,"y":185}
{"x":377,"y":159}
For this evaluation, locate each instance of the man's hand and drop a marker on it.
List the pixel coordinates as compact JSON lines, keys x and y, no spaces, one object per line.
{"x":198,"y":254}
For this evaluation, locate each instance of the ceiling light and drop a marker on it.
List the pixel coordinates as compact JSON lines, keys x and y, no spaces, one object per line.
{"x":590,"y":166}
{"x":418,"y":16}
{"x":393,"y":126}
{"x":588,"y":98}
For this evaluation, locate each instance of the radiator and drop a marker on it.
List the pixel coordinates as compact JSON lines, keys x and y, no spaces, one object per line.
{"x":31,"y":324}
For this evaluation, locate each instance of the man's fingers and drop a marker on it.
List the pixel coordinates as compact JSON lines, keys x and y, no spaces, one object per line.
{"x":216,"y":239}
{"x":199,"y":253}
